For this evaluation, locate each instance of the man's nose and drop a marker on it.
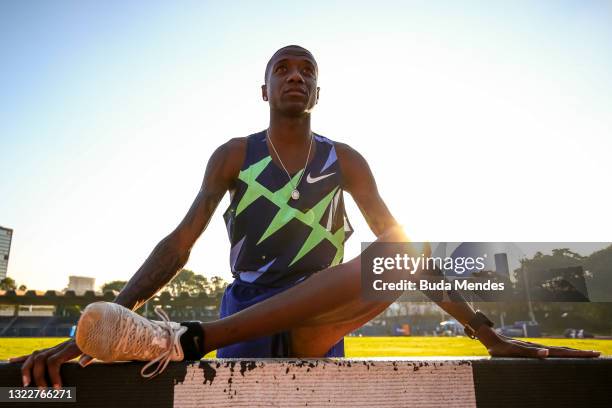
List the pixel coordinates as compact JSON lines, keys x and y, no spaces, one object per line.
{"x":295,"y":76}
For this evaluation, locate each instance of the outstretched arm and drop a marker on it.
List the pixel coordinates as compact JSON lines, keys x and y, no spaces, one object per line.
{"x":168,"y":257}
{"x":359,"y":182}
{"x":172,"y":253}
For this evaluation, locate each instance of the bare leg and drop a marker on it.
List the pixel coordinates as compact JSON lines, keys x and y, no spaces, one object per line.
{"x":318,"y":311}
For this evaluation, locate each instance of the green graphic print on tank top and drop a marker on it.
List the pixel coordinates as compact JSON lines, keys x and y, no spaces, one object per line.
{"x":276,"y":240}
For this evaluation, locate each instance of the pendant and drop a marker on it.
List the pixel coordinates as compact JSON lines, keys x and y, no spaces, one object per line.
{"x":295,"y":194}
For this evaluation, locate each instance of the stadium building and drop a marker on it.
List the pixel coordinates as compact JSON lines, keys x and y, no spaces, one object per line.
{"x":6,"y":234}
{"x":80,"y":284}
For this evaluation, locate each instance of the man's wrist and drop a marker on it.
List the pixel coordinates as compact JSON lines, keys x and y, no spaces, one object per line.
{"x":487,"y":336}
{"x":479,"y":319}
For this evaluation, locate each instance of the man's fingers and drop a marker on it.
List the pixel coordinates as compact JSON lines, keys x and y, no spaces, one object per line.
{"x":26,"y":374}
{"x":55,"y":361}
{"x":65,"y":352}
{"x":571,"y":349}
{"x":19,"y":359}
{"x":524,"y":343}
{"x":38,"y":371}
{"x":533,"y":352}
{"x":53,"y":368}
{"x":569,"y":352}
{"x":560,"y":351}
{"x":515,"y":350}
{"x":36,"y":365}
{"x":529,"y":343}
{"x":518,"y":348}
{"x":540,"y":352}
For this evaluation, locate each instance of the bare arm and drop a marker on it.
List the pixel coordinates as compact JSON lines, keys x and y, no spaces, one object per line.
{"x":164,"y":262}
{"x":359,"y":182}
{"x":172,"y":253}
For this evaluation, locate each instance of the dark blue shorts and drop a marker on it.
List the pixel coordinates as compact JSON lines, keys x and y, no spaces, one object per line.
{"x":240,"y":295}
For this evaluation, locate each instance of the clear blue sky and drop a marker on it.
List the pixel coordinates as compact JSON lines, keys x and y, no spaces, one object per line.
{"x":480,"y":121}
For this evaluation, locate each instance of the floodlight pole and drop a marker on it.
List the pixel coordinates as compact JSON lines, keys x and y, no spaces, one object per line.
{"x":526,"y":282}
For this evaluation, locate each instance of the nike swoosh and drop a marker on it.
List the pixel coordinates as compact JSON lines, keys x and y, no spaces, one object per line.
{"x":315,"y":179}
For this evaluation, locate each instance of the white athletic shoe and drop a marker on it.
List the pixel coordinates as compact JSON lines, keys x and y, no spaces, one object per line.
{"x":111,"y":332}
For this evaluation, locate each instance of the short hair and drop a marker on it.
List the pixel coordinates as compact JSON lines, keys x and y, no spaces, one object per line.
{"x":281,"y":50}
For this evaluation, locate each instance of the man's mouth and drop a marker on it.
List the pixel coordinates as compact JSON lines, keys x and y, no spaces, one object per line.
{"x":295,"y":91}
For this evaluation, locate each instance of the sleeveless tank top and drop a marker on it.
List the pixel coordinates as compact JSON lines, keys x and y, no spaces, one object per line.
{"x":276,"y":240}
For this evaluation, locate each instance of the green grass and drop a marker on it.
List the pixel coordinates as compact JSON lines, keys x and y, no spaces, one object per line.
{"x":448,"y":346}
{"x":18,"y":346}
{"x":355,"y":346}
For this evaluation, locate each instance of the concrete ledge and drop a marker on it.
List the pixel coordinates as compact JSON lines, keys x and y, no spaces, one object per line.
{"x":423,"y":382}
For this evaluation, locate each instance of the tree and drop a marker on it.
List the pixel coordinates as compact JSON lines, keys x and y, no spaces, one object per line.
{"x":565,"y":252}
{"x":194,"y":284}
{"x":116,"y":285}
{"x":218,"y":284}
{"x":554,"y":317}
{"x":185,"y":281}
{"x":599,"y":265}
{"x":8,"y":284}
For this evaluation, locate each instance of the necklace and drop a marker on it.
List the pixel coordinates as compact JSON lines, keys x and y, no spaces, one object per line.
{"x":295,"y":194}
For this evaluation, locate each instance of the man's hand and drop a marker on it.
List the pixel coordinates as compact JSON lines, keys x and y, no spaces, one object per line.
{"x":499,"y":345}
{"x":49,"y":361}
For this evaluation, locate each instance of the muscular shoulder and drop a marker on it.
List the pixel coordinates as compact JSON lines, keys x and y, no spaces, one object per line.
{"x":225,"y":163}
{"x":347,"y":153}
{"x":353,"y":165}
{"x":234,"y":151}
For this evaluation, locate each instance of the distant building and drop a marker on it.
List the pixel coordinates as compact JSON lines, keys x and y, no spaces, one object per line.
{"x":80,"y":284}
{"x":6,"y":234}
{"x":501,"y":265}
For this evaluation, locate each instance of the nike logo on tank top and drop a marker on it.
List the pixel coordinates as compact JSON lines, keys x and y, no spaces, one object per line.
{"x":276,"y":240}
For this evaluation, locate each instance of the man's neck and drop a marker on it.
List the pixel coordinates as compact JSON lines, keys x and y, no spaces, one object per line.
{"x":289,"y":131}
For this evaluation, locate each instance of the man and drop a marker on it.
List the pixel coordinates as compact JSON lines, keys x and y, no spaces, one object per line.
{"x":286,"y":221}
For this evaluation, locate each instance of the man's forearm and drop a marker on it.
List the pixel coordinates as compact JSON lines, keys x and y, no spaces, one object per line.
{"x":460,"y":309}
{"x":159,"y":268}
{"x":463,"y":312}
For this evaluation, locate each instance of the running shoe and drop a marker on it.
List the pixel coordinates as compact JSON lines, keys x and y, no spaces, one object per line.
{"x":110,"y":332}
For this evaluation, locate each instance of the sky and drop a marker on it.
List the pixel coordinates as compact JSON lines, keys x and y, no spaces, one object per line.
{"x":481,"y":121}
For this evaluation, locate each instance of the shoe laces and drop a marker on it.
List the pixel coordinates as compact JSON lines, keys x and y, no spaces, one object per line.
{"x":161,"y":329}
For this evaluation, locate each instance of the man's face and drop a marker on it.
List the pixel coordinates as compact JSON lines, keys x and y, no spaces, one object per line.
{"x":291,"y":82}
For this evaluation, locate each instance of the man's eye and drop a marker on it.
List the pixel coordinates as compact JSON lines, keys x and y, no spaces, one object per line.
{"x":280,"y":68}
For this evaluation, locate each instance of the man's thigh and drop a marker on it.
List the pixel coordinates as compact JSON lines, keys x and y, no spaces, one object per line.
{"x":342,"y":307}
{"x":323,"y":331}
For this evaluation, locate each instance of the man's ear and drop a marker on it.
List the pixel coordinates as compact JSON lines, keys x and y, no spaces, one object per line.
{"x":264,"y":92}
{"x":317,"y":100}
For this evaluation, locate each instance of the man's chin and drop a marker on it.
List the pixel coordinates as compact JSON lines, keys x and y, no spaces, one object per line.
{"x":294,"y":110}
